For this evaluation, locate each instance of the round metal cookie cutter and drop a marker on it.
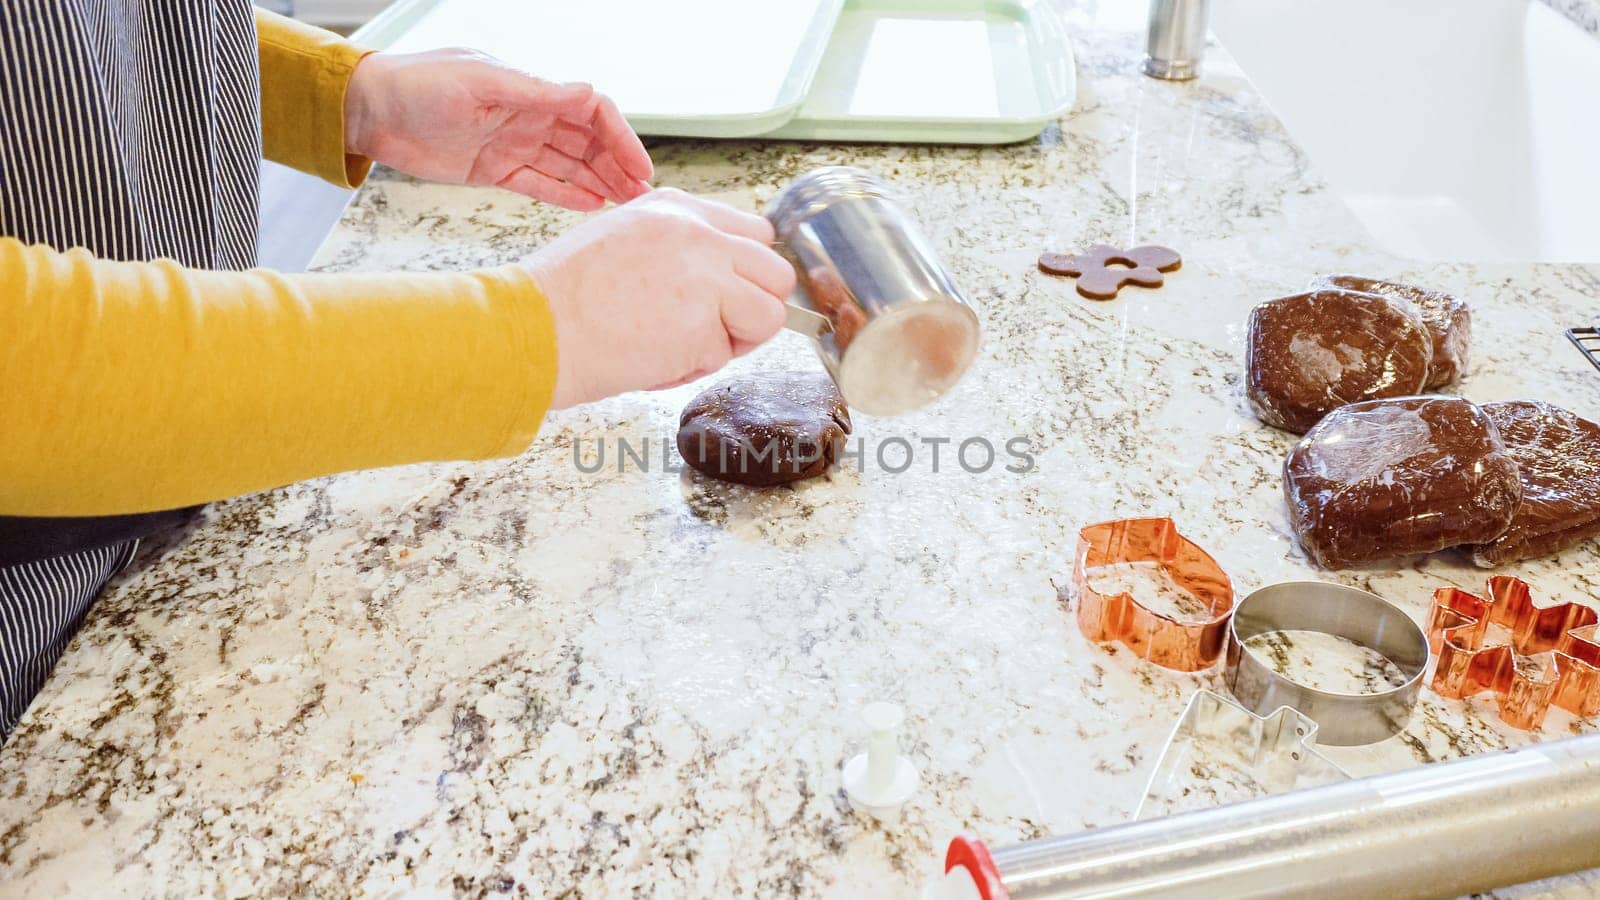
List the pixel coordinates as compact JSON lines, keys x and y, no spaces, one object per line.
{"x":1345,"y":719}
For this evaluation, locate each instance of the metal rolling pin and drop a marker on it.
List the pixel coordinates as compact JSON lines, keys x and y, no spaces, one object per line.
{"x":1437,"y":830}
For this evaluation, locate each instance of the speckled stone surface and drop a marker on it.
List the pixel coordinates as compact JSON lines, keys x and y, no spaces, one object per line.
{"x":514,"y":677}
{"x":1584,"y":12}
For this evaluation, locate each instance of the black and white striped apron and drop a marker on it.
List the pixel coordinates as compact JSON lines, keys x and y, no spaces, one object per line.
{"x":131,"y":128}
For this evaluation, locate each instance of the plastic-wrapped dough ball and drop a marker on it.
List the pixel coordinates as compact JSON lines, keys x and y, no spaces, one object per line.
{"x":1310,"y":354}
{"x":1558,"y":462}
{"x":1389,"y":478}
{"x":1448,"y":320}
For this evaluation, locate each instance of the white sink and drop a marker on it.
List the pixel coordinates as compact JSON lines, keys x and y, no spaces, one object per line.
{"x":1454,"y":129}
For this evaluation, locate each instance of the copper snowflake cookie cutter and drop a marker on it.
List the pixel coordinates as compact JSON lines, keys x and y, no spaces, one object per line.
{"x":1558,"y":644}
{"x":1184,"y":645}
{"x":1103,"y":270}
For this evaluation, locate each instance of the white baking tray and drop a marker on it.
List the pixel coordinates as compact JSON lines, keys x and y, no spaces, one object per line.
{"x":939,"y":71}
{"x":905,"y":71}
{"x":701,"y":68}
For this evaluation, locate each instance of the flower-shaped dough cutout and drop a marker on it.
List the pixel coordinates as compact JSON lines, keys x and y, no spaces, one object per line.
{"x":1103,"y":270}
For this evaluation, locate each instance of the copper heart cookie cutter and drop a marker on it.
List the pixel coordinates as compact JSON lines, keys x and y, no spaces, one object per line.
{"x":1186,"y":645}
{"x":1561,"y":642}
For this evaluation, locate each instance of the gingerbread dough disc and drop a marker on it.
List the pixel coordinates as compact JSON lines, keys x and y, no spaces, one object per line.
{"x":1309,"y":354}
{"x":765,"y":429}
{"x":1558,"y":461}
{"x":1389,"y":478}
{"x":1448,"y":319}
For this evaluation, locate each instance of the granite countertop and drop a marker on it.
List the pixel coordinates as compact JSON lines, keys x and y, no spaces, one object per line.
{"x":516,"y":677}
{"x":1584,"y":12}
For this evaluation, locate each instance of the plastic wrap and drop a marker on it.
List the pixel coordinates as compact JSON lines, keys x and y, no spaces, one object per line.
{"x":1389,"y":478}
{"x":1558,"y":461}
{"x":1448,"y":320}
{"x":765,"y":429}
{"x":1310,"y":354}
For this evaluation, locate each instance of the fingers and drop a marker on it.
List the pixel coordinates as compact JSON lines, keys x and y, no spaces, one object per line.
{"x":606,"y":141}
{"x":512,"y":87}
{"x":558,"y":165}
{"x":624,"y":187}
{"x":581,"y":144}
{"x":557,"y":98}
{"x":548,"y":157}
{"x":751,"y":240}
{"x":618,"y":140}
{"x":759,"y":265}
{"x":539,"y":186}
{"x":737,"y":222}
{"x":573,"y":140}
{"x":750,"y":315}
{"x":584,"y":125}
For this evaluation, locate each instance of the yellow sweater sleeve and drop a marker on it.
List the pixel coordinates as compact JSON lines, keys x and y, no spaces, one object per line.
{"x":130,"y":387}
{"x":304,"y":73}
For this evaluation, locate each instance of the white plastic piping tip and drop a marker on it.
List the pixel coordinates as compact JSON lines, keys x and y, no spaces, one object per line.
{"x":880,"y":781}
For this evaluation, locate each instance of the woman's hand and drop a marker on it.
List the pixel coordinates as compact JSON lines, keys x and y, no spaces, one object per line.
{"x":463,"y":117}
{"x":659,"y":292}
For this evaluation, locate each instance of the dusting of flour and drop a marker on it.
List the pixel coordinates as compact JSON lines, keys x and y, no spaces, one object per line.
{"x":1151,"y":586}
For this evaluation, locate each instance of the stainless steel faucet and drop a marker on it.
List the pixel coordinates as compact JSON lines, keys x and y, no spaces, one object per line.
{"x":1177,"y":38}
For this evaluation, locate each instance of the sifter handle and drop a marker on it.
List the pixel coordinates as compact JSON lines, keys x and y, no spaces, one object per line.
{"x":806,"y":321}
{"x":802,"y":313}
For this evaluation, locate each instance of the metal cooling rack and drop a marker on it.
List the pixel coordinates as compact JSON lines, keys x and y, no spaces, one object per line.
{"x":1587,"y":340}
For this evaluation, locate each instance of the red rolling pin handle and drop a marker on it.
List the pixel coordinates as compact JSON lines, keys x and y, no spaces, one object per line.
{"x":969,"y":853}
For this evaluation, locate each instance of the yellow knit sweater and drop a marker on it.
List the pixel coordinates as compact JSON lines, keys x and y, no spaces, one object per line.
{"x":130,"y":387}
